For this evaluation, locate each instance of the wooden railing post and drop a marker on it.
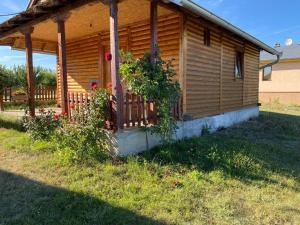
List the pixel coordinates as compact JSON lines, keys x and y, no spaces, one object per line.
{"x":29,"y":66}
{"x":115,"y":67}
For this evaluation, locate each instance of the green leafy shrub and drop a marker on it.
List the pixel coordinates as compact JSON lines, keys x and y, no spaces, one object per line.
{"x":86,"y":138}
{"x":42,"y":126}
{"x":153,"y":81}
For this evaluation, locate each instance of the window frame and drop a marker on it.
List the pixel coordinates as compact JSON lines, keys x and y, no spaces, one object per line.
{"x":239,"y":56}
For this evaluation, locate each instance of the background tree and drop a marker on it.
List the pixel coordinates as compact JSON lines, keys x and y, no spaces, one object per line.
{"x":5,"y":81}
{"x":43,"y":77}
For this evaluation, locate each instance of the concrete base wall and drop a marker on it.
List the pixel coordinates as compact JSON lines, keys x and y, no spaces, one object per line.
{"x":134,"y":141}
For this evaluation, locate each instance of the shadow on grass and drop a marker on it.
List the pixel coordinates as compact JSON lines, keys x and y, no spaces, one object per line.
{"x":11,"y":123}
{"x":24,"y":201}
{"x":251,"y":151}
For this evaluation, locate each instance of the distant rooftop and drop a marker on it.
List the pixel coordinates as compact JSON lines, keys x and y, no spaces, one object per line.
{"x":288,"y":52}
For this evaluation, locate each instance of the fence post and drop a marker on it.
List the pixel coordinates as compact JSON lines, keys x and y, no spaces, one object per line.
{"x":1,"y":102}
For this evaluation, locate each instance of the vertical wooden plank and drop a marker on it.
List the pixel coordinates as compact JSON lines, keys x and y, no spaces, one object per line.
{"x":62,"y":59}
{"x":153,"y":29}
{"x":73,"y":103}
{"x":133,"y":110}
{"x":127,"y":120}
{"x":69,"y":103}
{"x":115,"y":73}
{"x":139,"y":114}
{"x":143,"y":111}
{"x":221,"y":75}
{"x":86,"y":99}
{"x":1,"y":102}
{"x":29,"y":67}
{"x":43,"y":93}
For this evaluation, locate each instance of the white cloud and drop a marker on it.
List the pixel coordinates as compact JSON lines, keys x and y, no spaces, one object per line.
{"x":10,"y":58}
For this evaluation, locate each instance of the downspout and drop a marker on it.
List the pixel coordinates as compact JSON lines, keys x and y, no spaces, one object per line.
{"x":272,"y":63}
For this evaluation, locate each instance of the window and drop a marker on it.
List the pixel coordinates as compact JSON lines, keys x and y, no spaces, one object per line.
{"x":267,"y":72}
{"x":206,"y":37}
{"x":239,"y":65}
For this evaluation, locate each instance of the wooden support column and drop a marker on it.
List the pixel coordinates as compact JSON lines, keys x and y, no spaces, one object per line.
{"x":62,"y":61}
{"x":29,"y":69}
{"x":115,"y":67}
{"x":153,"y":29}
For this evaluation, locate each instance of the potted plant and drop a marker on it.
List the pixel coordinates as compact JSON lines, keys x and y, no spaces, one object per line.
{"x":19,"y":95}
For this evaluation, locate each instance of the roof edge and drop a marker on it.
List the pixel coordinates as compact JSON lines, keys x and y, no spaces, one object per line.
{"x":31,"y":3}
{"x":194,"y":7}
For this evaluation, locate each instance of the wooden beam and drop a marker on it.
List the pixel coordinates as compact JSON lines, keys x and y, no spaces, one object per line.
{"x":29,"y":69}
{"x":115,"y":67}
{"x":62,"y":62}
{"x":153,"y":29}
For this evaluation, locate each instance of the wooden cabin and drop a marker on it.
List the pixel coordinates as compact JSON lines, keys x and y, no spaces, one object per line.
{"x":217,"y":64}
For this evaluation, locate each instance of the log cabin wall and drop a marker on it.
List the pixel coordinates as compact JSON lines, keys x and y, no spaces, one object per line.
{"x":84,"y":55}
{"x":210,"y":87}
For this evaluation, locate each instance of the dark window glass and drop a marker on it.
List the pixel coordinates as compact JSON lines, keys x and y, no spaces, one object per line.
{"x":206,"y":37}
{"x":239,"y":64}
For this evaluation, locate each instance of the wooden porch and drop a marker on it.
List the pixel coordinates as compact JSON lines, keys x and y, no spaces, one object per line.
{"x":102,"y":34}
{"x":137,"y":112}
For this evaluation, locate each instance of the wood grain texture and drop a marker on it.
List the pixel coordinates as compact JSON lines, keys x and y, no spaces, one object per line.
{"x":211,"y":87}
{"x":84,"y":54}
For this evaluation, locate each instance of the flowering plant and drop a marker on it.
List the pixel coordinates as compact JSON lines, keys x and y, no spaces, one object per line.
{"x":43,"y":125}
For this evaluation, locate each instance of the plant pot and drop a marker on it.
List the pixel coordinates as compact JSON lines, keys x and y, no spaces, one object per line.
{"x":20,"y":98}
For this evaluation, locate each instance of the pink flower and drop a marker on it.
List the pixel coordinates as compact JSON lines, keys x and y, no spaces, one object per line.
{"x":56,"y":116}
{"x":64,"y":114}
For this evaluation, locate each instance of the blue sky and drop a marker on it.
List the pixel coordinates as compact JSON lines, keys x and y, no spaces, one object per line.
{"x":269,"y":20}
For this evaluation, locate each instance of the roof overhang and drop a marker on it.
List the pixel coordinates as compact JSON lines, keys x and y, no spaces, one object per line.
{"x":44,"y":10}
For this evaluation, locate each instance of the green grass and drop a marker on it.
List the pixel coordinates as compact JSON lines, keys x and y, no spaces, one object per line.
{"x":22,"y":106}
{"x":249,"y":174}
{"x":10,"y":122}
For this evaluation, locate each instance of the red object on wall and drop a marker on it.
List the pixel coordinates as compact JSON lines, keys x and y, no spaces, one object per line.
{"x":108,"y":56}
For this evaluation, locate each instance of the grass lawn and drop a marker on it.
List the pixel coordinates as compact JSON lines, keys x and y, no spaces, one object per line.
{"x":249,"y":174}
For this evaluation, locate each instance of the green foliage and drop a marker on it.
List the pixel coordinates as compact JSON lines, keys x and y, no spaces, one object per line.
{"x":153,"y":81}
{"x":43,"y":77}
{"x":42,"y":126}
{"x":87,"y":138}
{"x":205,"y":130}
{"x":5,"y":78}
{"x":16,"y":77}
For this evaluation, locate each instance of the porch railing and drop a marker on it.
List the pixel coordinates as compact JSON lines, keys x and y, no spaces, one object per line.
{"x":136,"y":111}
{"x":7,"y":95}
{"x":43,"y":94}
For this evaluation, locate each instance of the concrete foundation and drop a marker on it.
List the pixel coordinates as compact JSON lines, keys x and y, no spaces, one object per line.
{"x":133,"y":141}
